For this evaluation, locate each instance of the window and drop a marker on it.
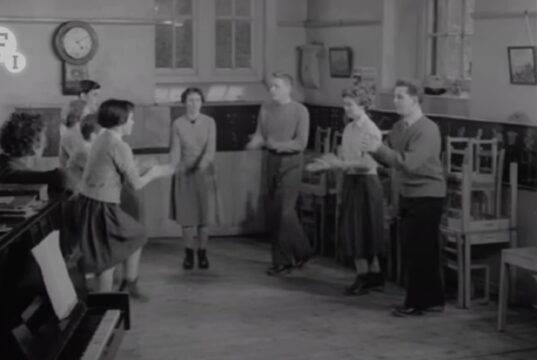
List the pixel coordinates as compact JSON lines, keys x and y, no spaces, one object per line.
{"x":208,"y":40}
{"x":450,"y":30}
{"x":174,"y":37}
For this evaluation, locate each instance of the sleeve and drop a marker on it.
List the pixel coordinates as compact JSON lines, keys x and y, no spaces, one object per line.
{"x":300,"y":140}
{"x":210,"y":151}
{"x":420,"y":147}
{"x":125,"y":164}
{"x":175,"y":150}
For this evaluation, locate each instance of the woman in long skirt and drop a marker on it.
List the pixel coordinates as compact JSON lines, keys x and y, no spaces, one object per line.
{"x":361,"y":220}
{"x":193,"y":186}
{"x":109,"y":236}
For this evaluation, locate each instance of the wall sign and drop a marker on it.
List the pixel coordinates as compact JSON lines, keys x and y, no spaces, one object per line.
{"x":10,"y":58}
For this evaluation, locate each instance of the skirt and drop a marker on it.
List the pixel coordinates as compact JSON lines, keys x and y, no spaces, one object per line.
{"x":194,"y":198}
{"x":361,"y":220}
{"x":107,"y":234}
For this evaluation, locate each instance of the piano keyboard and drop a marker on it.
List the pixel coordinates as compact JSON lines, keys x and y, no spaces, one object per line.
{"x":97,"y":346}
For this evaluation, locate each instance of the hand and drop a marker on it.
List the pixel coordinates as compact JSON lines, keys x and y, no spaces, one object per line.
{"x":370,"y":143}
{"x":271,"y":144}
{"x":255,"y":143}
{"x":145,"y":165}
{"x":162,"y":170}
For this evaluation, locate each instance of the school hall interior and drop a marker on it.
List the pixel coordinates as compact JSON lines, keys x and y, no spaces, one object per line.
{"x":475,"y":64}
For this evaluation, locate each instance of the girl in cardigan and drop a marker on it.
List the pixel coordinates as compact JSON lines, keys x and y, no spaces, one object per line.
{"x":192,"y":153}
{"x":108,"y":235}
{"x":361,"y":210}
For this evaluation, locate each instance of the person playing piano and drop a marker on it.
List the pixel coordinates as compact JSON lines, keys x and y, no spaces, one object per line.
{"x":22,"y":139}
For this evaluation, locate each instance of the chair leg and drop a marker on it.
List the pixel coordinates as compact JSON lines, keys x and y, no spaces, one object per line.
{"x":504,"y":295}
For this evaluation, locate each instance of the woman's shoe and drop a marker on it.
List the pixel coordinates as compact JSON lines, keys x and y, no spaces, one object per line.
{"x":188,"y":262}
{"x":405,"y":311}
{"x":134,"y":291}
{"x":374,"y":281}
{"x":358,"y":287}
{"x":203,"y":262}
{"x":279,"y":270}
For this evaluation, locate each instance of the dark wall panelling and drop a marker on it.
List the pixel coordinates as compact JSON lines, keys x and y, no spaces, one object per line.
{"x":234,"y":123}
{"x":519,"y":142}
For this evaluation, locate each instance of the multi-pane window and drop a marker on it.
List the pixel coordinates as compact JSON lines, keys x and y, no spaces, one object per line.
{"x":233,"y":30}
{"x":208,"y":39}
{"x":174,"y":36}
{"x":450,"y":38}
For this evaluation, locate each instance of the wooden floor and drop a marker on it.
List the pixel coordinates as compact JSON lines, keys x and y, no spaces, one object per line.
{"x":235,"y":311}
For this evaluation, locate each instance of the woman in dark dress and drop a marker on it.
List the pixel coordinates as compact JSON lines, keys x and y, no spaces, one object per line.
{"x":22,"y":140}
{"x":193,"y":151}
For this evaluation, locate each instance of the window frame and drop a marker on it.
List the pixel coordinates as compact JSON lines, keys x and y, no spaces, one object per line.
{"x":437,"y":33}
{"x":204,"y":60}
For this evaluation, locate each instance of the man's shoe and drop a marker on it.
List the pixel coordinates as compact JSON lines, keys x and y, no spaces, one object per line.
{"x":279,"y":270}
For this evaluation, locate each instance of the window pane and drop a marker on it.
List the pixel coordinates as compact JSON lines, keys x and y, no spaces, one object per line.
{"x":452,"y":57}
{"x":243,"y":8}
{"x":454,"y":24}
{"x":467,"y":48}
{"x":223,"y":44}
{"x":183,"y":7}
{"x":470,"y":6}
{"x":163,"y":9}
{"x":243,"y":44}
{"x":223,"y":7}
{"x":163,"y":46}
{"x":183,"y":45}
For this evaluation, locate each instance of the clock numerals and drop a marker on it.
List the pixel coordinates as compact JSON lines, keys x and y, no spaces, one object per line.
{"x":76,"y":42}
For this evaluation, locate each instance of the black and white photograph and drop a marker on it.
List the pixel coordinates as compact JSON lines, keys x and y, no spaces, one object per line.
{"x":268,"y":179}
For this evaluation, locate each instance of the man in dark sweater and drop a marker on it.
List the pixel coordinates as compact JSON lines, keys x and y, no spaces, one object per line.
{"x":413,"y":149}
{"x":282,"y":129}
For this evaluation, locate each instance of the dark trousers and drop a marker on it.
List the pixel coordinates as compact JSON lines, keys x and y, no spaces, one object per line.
{"x":287,"y":236}
{"x":420,"y":222}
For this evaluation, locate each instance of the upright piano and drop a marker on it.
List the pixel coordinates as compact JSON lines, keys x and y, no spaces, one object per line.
{"x":29,"y":327}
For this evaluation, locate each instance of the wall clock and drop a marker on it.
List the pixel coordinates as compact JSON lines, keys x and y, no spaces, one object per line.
{"x":75,"y":42}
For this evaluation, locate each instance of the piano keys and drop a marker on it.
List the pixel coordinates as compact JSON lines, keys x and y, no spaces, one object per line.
{"x":29,"y":327}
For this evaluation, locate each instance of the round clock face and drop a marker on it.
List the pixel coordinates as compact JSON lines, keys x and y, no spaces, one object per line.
{"x":77,"y":43}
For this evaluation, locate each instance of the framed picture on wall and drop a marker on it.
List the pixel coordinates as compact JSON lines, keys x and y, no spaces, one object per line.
{"x":72,"y":75}
{"x":340,"y":60}
{"x":522,"y":70}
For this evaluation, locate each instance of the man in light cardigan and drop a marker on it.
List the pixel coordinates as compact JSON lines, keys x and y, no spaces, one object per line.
{"x":413,"y":149}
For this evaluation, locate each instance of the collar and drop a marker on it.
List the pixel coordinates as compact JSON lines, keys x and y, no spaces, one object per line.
{"x":115,"y":134}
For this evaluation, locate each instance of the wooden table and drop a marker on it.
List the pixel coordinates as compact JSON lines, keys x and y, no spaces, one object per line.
{"x":524,"y":258}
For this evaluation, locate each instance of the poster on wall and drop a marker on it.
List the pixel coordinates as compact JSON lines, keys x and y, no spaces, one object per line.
{"x":364,"y":79}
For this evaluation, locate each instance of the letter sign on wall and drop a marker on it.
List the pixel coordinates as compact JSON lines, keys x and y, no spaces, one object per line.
{"x":10,"y":58}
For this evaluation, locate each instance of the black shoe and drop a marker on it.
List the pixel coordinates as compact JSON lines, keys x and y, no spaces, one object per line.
{"x":374,"y":281}
{"x":405,"y":311}
{"x":188,"y":262}
{"x":279,"y":270}
{"x":435,"y":309}
{"x":358,"y":287}
{"x":301,"y":262}
{"x":203,"y":262}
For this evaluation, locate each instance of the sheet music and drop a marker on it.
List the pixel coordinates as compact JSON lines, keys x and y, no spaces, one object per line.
{"x":6,"y":199}
{"x":59,"y":286}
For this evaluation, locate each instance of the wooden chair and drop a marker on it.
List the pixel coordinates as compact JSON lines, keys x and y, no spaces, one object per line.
{"x":313,"y":192}
{"x":466,"y":230}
